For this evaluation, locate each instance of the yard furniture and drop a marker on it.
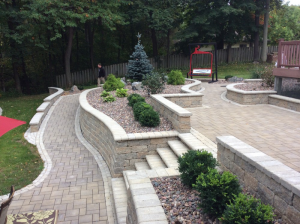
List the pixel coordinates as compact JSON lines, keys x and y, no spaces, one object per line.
{"x":5,"y":205}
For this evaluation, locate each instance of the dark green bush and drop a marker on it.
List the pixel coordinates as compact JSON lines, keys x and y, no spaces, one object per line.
{"x":149,"y":118}
{"x":138,"y":108}
{"x":132,"y":95}
{"x":112,"y":83}
{"x":154,"y":83}
{"x":228,"y":77}
{"x":175,"y":78}
{"x":80,"y":87}
{"x":135,"y":99}
{"x":193,"y":163}
{"x":247,"y":210}
{"x":104,"y":94}
{"x":216,"y":190}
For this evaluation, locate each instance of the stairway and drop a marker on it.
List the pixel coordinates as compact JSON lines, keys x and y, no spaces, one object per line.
{"x":165,"y":158}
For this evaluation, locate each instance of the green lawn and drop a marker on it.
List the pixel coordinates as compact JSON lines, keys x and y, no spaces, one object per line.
{"x":20,"y":162}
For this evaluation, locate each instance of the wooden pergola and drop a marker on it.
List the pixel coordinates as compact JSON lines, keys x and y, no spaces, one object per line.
{"x":288,"y":65}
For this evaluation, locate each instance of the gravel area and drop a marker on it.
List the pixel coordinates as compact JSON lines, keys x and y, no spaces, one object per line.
{"x":256,"y":86}
{"x":180,"y":202}
{"x":123,"y":114}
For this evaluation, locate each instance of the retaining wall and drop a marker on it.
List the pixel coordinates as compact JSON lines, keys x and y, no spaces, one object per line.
{"x":268,"y":179}
{"x":285,"y":102}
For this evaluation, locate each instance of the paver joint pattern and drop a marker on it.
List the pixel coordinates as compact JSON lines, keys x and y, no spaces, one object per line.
{"x":75,"y":185}
{"x":270,"y":129}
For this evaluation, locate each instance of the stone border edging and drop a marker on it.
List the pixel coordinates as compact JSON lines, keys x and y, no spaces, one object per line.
{"x":275,"y":183}
{"x":103,"y":168}
{"x":285,"y":102}
{"x":187,"y":88}
{"x":289,"y":99}
{"x":43,"y":153}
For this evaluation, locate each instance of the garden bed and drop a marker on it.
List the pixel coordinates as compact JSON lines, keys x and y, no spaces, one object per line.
{"x":122,"y":113}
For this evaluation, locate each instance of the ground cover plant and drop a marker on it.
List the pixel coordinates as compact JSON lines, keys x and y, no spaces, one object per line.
{"x":20,"y":162}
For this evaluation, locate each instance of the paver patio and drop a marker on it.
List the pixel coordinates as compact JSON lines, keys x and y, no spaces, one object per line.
{"x":270,"y":129}
{"x":75,"y":184}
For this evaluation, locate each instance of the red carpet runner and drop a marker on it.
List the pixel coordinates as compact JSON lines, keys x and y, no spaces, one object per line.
{"x":6,"y":124}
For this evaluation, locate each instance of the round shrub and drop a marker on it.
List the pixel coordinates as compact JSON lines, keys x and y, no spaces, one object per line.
{"x":112,"y":83}
{"x":132,"y":95}
{"x":138,"y":108}
{"x":135,"y":99}
{"x":246,"y":209}
{"x":193,"y":163}
{"x":175,"y":78}
{"x":216,"y":190}
{"x":149,"y":118}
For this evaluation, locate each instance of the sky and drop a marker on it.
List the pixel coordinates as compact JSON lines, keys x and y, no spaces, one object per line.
{"x":293,"y":2}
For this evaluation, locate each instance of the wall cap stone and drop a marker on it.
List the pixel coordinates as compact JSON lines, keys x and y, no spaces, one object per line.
{"x":195,"y":94}
{"x":231,"y":87}
{"x":57,"y":93}
{"x":285,"y":98}
{"x":273,"y":168}
{"x":252,"y":80}
{"x":186,"y":88}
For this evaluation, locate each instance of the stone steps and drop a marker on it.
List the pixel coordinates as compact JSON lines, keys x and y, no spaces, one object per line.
{"x":192,"y":142}
{"x":178,"y":147}
{"x":168,"y":157}
{"x":120,"y":199}
{"x":142,"y":166}
{"x":155,"y":162}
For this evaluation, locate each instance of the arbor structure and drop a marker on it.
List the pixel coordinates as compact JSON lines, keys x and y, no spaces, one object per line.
{"x":139,"y":65}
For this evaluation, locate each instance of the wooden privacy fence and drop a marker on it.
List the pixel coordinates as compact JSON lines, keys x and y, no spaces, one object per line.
{"x":173,"y":62}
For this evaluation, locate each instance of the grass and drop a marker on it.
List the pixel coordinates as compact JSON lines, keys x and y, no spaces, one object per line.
{"x":20,"y":162}
{"x":241,"y":70}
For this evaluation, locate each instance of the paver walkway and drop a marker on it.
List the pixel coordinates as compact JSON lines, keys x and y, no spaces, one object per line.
{"x":271,"y":130}
{"x":74,"y":185}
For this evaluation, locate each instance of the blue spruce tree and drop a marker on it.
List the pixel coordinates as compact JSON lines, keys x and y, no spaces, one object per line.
{"x":139,"y":65}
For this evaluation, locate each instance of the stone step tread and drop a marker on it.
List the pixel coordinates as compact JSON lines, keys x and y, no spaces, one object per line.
{"x":43,"y":107}
{"x":178,"y":147}
{"x":169,"y":158}
{"x":155,"y":162}
{"x":192,"y":142}
{"x":142,"y":166}
{"x":120,"y":198}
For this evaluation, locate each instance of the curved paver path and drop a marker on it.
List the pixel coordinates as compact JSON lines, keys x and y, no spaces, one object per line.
{"x":75,"y":184}
{"x":270,"y":129}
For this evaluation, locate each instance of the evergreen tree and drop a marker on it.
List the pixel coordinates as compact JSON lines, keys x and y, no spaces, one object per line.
{"x":139,"y":65}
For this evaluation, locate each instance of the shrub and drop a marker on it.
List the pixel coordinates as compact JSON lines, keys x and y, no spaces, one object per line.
{"x":257,"y":72}
{"x":175,"y":78}
{"x":216,"y":190}
{"x":193,"y":163}
{"x":135,"y":99}
{"x":228,"y":77}
{"x":80,"y":87}
{"x":132,"y":95}
{"x":112,"y":83}
{"x":109,"y":99}
{"x":154,"y":83}
{"x":122,"y":92}
{"x":247,"y":210}
{"x":104,"y":94}
{"x":149,"y":118}
{"x":138,"y":108}
{"x":267,"y":76}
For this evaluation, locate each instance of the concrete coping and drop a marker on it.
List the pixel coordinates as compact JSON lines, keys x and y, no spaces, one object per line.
{"x":285,"y":98}
{"x":43,"y":107}
{"x":119,"y":134}
{"x":172,"y":106}
{"x":186,"y":88}
{"x":36,"y":119}
{"x":233,"y":89}
{"x":252,"y":80}
{"x":179,"y":95}
{"x":58,"y":92}
{"x":273,"y":168}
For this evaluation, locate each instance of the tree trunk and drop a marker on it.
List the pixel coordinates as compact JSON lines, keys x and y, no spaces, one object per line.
{"x":168,"y":47}
{"x":256,"y":36}
{"x":264,"y":49}
{"x":154,"y":43}
{"x":228,"y":51}
{"x":68,"y":56}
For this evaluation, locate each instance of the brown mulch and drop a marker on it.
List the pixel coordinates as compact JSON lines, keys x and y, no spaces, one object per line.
{"x":123,"y":114}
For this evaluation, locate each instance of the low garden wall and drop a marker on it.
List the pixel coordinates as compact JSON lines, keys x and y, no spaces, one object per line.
{"x":119,"y":149}
{"x":285,"y":102}
{"x":185,"y":100}
{"x":268,"y":179}
{"x":43,"y":109}
{"x":191,"y":88}
{"x":247,"y":97}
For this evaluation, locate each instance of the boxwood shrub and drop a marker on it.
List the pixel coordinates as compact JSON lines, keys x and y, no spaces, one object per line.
{"x":193,"y":163}
{"x":149,"y":118}
{"x":135,"y":98}
{"x":138,"y":108}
